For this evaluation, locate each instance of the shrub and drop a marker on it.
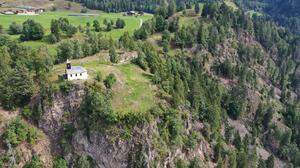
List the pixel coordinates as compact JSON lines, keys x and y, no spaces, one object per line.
{"x":234,"y":110}
{"x":18,"y":132}
{"x":141,"y":61}
{"x":15,"y":28}
{"x":35,"y":162}
{"x":65,"y":87}
{"x":52,"y":39}
{"x":84,"y":161}
{"x":110,"y":80}
{"x":26,"y":112}
{"x":1,"y":29}
{"x":120,"y":23}
{"x":192,"y":140}
{"x":83,"y":10}
{"x":98,"y":76}
{"x":60,"y":163}
{"x":196,"y":163}
{"x":96,"y":108}
{"x":32,"y":31}
{"x":113,"y":56}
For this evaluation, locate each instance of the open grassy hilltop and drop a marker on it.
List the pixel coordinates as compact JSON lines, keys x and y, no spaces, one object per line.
{"x":133,"y":92}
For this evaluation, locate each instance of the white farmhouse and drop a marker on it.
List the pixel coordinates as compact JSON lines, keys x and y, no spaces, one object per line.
{"x":75,"y":72}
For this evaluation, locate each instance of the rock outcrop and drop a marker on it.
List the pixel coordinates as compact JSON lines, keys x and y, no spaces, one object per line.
{"x":106,"y":150}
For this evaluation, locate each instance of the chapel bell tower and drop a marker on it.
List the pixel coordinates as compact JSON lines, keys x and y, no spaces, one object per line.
{"x":68,"y":64}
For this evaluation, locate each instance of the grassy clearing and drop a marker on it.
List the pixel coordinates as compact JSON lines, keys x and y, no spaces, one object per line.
{"x":133,"y":92}
{"x":190,"y":17}
{"x":132,"y":23}
{"x":231,"y":4}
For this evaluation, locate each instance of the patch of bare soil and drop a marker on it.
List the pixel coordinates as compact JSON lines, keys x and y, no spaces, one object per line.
{"x":41,"y":149}
{"x":239,"y":126}
{"x":5,"y":117}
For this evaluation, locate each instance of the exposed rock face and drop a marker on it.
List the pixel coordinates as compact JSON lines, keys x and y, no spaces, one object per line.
{"x":124,"y":56}
{"x":24,"y":151}
{"x":51,"y":121}
{"x":41,"y":149}
{"x":106,"y":151}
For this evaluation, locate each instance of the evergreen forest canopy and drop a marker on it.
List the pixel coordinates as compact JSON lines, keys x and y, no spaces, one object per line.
{"x":285,"y":12}
{"x":139,"y":5}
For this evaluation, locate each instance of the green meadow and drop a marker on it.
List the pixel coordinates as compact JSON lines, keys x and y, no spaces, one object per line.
{"x":132,"y":23}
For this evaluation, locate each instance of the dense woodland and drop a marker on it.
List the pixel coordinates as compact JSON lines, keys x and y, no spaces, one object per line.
{"x":189,"y":82}
{"x":139,"y":5}
{"x":286,"y":13}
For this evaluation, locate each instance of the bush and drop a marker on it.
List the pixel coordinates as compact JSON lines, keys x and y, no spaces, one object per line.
{"x":32,"y":31}
{"x":18,"y":132}
{"x":65,"y":87}
{"x":15,"y":28}
{"x":84,"y":161}
{"x":120,"y":23}
{"x":196,"y":163}
{"x":1,"y":29}
{"x":141,"y":61}
{"x":113,"y":56}
{"x":192,"y":140}
{"x":110,"y":80}
{"x":35,"y":162}
{"x":83,"y":10}
{"x":26,"y":112}
{"x":60,"y":163}
{"x":234,"y":110}
{"x":98,"y":76}
{"x":51,"y":38}
{"x":71,"y":30}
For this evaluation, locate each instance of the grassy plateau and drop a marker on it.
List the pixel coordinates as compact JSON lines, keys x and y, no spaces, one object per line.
{"x":133,"y":92}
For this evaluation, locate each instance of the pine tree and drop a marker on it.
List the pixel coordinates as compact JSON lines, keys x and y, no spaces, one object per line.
{"x":171,"y":8}
{"x":197,"y":8}
{"x":270,"y":162}
{"x":114,"y":58}
{"x":96,"y":26}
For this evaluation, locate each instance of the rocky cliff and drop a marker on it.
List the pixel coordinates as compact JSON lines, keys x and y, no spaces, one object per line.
{"x":107,"y":149}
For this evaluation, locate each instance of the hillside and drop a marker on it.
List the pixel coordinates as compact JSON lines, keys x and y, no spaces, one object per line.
{"x":194,"y":85}
{"x":46,"y":4}
{"x":286,"y":13}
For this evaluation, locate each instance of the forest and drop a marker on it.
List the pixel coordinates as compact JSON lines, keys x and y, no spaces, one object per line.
{"x":226,"y":67}
{"x":286,"y":13}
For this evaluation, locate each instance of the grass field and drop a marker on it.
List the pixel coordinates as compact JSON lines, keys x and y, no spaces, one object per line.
{"x":133,"y":91}
{"x":132,"y":23}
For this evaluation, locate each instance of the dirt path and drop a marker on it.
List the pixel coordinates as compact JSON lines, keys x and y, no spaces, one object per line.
{"x":141,"y":23}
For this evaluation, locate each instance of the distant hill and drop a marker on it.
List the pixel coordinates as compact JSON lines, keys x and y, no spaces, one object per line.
{"x":47,"y":4}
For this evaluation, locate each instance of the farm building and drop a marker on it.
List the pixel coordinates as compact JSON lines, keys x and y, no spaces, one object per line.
{"x":23,"y":11}
{"x":26,"y":12}
{"x":8,"y":12}
{"x":75,"y":72}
